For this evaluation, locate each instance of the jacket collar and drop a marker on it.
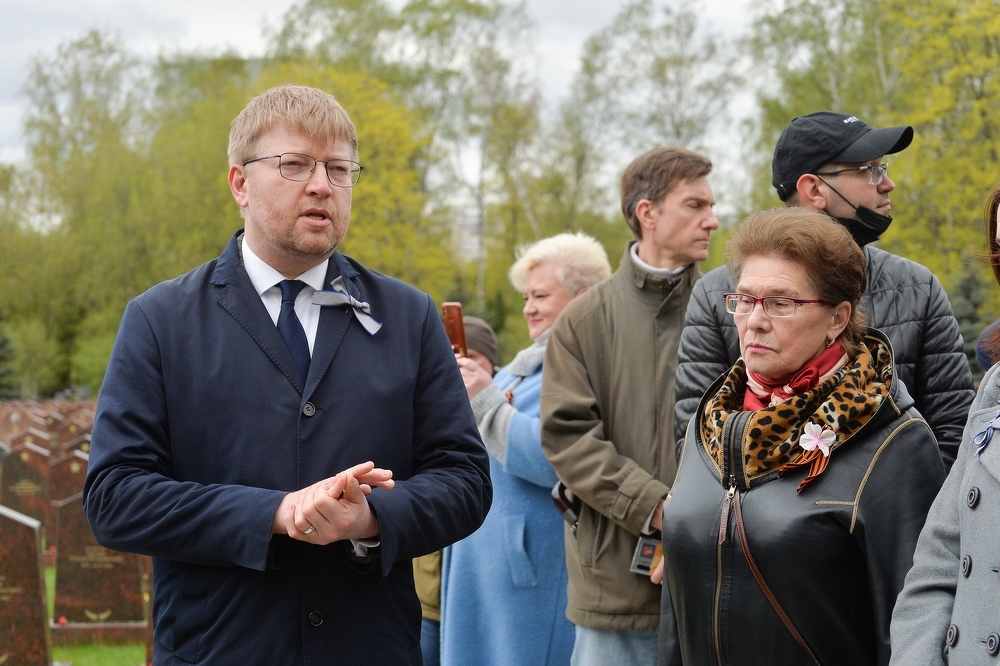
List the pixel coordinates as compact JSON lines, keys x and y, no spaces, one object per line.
{"x":656,"y":286}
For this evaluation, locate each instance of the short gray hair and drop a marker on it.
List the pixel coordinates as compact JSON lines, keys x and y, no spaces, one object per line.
{"x":579,"y":261}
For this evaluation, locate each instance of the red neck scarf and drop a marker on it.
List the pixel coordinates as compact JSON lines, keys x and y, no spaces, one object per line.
{"x":761,"y":392}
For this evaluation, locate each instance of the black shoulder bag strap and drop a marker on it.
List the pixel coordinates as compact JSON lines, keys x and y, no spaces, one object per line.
{"x":787,"y":621}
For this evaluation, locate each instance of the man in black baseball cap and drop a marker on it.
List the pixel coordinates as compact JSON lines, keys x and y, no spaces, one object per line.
{"x":833,"y":162}
{"x":825,"y":147}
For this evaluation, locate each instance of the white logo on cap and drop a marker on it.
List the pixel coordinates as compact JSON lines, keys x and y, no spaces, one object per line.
{"x":852,"y":119}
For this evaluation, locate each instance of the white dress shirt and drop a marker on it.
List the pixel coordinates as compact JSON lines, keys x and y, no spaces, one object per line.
{"x":267,"y":282}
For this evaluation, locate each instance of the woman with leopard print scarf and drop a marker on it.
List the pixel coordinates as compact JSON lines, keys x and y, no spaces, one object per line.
{"x":807,"y":475}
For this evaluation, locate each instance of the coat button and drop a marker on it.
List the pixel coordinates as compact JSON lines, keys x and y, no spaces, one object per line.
{"x":952,"y":638}
{"x":973,"y":498}
{"x":966,"y":566}
{"x":308,"y":409}
{"x":993,"y":644}
{"x":316,"y":619}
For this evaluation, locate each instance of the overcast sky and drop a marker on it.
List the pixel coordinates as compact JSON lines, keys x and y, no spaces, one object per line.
{"x":31,"y":27}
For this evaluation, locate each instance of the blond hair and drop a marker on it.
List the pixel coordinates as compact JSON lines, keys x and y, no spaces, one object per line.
{"x":579,"y":261}
{"x":313,"y":111}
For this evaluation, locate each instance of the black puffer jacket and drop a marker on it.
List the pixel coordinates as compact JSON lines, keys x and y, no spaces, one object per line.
{"x":834,"y":555}
{"x":904,"y":300}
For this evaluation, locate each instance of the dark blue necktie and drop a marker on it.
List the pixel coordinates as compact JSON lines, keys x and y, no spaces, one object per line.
{"x":290,"y":327}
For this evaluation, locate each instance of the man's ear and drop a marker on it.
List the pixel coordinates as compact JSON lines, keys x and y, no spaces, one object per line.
{"x":645,"y":213}
{"x":810,"y":192}
{"x":238,"y":185}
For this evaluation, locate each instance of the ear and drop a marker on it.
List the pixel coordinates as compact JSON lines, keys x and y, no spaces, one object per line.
{"x":238,"y":185}
{"x":645,"y":213}
{"x":841,"y":317}
{"x":810,"y":192}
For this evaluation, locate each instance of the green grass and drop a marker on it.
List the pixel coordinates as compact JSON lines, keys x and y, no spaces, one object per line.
{"x":128,"y":654}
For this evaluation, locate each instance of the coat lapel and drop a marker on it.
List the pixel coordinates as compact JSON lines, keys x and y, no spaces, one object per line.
{"x":240,"y":299}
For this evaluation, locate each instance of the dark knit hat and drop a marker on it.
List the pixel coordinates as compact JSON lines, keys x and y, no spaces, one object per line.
{"x":480,"y":337}
{"x":823,"y":137}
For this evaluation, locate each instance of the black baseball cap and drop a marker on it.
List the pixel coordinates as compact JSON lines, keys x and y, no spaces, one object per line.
{"x":819,"y":138}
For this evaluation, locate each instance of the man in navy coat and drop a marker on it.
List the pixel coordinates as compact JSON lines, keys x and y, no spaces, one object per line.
{"x":283,"y":461}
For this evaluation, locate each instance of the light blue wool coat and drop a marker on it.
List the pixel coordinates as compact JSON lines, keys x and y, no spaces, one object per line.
{"x":503,"y":589}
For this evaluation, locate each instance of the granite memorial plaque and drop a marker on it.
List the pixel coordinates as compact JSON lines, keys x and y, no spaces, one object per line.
{"x":70,"y":432}
{"x":24,"y":480}
{"x":93,"y":583}
{"x":66,"y":476}
{"x":81,"y":443}
{"x":32,"y":436}
{"x":53,"y":419}
{"x":10,"y":422}
{"x":24,"y":625}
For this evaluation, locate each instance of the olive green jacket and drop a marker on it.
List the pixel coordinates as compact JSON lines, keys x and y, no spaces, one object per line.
{"x":607,"y":410}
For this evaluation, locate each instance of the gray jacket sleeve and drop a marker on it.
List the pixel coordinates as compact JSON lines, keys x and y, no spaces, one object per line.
{"x":493,"y":416}
{"x":709,"y":346}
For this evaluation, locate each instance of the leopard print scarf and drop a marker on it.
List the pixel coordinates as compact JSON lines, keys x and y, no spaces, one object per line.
{"x":844,"y":403}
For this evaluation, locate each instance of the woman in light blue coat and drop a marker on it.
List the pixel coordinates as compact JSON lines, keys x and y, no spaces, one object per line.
{"x":503,"y":589}
{"x":949,"y":609}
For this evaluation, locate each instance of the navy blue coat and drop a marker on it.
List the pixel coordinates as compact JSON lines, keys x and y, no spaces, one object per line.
{"x":202,"y":427}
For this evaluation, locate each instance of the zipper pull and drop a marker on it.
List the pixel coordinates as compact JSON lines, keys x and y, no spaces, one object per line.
{"x":727,"y":506}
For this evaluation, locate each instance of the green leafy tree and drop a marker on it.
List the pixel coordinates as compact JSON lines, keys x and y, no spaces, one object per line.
{"x":83,"y":127}
{"x":458,"y":66}
{"x":947,"y":54}
{"x":811,"y":55}
{"x":8,"y":379}
{"x":969,"y":301}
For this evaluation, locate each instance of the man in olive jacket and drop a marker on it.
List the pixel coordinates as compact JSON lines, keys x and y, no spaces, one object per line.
{"x":607,"y":403}
{"x":833,"y":162}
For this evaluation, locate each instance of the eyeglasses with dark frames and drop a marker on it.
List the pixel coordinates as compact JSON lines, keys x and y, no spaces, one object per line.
{"x":299,"y":168}
{"x":774,"y":306}
{"x":876,"y":172}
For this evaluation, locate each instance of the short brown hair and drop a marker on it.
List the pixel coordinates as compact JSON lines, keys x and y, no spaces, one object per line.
{"x":836,"y":267}
{"x":311,"y":110}
{"x":653,"y":174}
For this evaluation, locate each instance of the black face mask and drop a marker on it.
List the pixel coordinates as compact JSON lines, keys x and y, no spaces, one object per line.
{"x":866,"y":226}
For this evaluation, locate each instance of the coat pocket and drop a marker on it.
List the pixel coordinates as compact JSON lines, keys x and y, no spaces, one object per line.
{"x":189,"y":627}
{"x":521,"y":570}
{"x":590,"y":532}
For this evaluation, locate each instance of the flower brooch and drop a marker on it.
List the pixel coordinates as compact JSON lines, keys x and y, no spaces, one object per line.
{"x":817,"y":441}
{"x":815,"y":436}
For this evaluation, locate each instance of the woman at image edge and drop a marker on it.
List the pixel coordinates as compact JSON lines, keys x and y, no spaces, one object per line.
{"x":949,"y":611}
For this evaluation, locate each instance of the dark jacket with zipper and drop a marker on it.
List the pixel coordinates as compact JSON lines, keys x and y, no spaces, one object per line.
{"x":834,"y":555}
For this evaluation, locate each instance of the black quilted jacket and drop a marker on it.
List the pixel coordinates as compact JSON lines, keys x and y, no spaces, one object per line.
{"x":904,"y":300}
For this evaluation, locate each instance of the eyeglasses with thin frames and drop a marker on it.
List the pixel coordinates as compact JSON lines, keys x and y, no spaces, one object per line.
{"x":876,"y":172}
{"x":774,"y":306}
{"x":299,"y":168}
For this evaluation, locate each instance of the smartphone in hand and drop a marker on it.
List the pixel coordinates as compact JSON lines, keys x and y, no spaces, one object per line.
{"x":451,"y":313}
